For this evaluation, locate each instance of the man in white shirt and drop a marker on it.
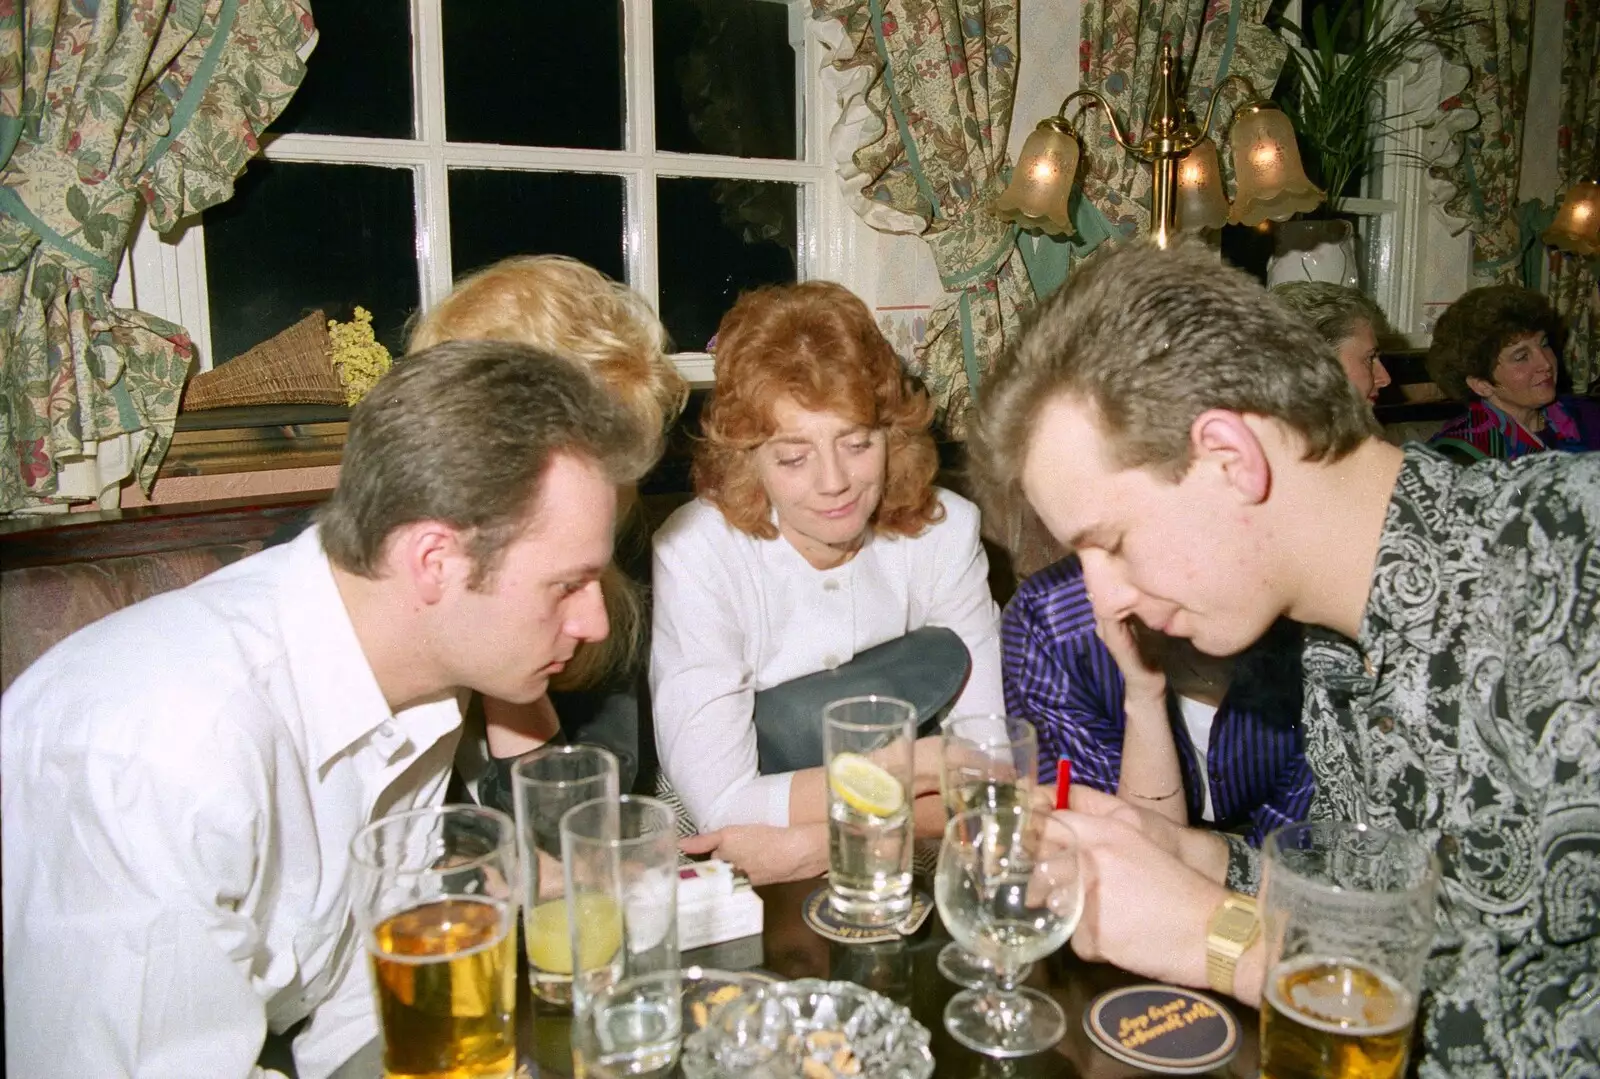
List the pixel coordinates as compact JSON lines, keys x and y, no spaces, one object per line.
{"x":183,"y":778}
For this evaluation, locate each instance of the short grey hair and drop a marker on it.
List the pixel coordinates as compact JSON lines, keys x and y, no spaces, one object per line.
{"x":1334,"y":311}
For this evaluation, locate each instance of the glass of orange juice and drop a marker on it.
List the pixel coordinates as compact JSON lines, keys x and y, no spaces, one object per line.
{"x":544,"y":785}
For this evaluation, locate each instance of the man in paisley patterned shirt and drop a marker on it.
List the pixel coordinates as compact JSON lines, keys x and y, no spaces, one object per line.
{"x":1207,"y":460}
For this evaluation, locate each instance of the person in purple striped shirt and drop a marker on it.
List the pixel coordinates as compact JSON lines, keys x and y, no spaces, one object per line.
{"x":1198,"y":739}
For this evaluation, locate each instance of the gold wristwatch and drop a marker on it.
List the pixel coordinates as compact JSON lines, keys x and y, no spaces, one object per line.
{"x":1233,"y":927}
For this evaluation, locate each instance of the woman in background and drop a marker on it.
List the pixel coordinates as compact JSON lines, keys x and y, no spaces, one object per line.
{"x":1348,"y":320}
{"x":562,"y":306}
{"x":818,"y":562}
{"x":1497,"y":349}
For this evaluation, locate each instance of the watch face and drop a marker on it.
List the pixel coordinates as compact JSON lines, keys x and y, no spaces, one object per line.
{"x":1234,"y":924}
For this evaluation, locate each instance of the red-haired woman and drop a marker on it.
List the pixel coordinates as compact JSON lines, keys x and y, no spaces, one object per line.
{"x":818,"y":562}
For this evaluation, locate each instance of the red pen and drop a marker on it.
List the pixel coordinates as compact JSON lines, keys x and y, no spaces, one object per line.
{"x":1063,"y":782}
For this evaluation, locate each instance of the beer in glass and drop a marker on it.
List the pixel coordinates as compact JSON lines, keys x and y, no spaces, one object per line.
{"x":434,"y":896}
{"x":1348,"y":914}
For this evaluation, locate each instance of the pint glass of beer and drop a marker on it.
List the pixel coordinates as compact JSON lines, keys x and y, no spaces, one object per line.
{"x":1347,"y":911}
{"x":435,"y":897}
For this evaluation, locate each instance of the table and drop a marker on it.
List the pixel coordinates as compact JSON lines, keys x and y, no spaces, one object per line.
{"x":905,"y":972}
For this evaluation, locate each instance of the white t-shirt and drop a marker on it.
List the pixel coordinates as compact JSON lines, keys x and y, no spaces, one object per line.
{"x":181,"y":782}
{"x":1198,"y":717}
{"x":735,"y":614}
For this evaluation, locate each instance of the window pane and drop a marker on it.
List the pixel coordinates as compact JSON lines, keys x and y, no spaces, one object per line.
{"x":358,"y":78}
{"x":496,"y":213}
{"x":296,"y":237}
{"x":725,"y":78}
{"x":546,"y":73}
{"x":717,"y":239}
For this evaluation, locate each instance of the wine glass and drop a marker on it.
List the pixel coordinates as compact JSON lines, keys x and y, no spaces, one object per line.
{"x":988,"y":761}
{"x":1009,"y":890}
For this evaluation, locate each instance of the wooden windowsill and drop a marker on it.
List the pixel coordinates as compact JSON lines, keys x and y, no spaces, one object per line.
{"x":256,"y":439}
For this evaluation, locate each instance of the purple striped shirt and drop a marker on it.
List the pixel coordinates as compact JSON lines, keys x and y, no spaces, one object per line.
{"x":1061,"y":676}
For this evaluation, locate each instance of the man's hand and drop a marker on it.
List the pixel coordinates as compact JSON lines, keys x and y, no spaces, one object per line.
{"x":764,"y":853}
{"x":1143,"y":909}
{"x":1200,"y":850}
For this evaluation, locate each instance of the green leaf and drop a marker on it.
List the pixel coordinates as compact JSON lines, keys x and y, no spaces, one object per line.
{"x":78,"y":204}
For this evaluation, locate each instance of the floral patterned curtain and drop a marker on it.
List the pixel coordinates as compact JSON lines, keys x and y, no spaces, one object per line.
{"x":927,"y":87}
{"x":106,"y":107}
{"x":1121,"y":47}
{"x":1482,"y":182}
{"x":1570,"y":280}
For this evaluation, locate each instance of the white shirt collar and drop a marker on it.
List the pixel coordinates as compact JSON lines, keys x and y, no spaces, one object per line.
{"x":339,"y":693}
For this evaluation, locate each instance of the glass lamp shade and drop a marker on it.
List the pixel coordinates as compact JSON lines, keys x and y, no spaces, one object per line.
{"x":1037,"y":196}
{"x":1577,"y":224}
{"x":1201,"y":203}
{"x":1272,"y":184}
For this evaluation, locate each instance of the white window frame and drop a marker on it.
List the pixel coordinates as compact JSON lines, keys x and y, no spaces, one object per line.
{"x":166,"y":275}
{"x":1392,"y":243}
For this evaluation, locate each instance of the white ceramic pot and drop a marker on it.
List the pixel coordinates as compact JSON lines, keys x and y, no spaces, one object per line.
{"x":1314,"y":251}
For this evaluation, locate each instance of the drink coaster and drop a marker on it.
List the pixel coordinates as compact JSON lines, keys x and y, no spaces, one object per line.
{"x":826,"y":922}
{"x":1163,"y":1028}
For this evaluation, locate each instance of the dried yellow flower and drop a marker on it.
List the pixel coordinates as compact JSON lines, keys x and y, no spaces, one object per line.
{"x":356,"y":354}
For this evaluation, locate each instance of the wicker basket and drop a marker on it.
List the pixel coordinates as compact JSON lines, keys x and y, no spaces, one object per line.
{"x":291,"y":368}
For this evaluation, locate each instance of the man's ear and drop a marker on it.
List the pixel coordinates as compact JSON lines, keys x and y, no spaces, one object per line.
{"x":1481,"y":387}
{"x":1226,"y":442}
{"x":430,"y":557}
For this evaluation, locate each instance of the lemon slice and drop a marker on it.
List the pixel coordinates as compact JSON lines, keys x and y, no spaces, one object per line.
{"x":864,"y":786}
{"x":549,"y":944}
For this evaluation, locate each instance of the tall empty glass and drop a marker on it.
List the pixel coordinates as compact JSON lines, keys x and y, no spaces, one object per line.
{"x":621,"y":863}
{"x":434,"y":895}
{"x":987,"y":762}
{"x":544,"y":785}
{"x":1009,"y":890}
{"x":1348,"y":916}
{"x":867,"y":749}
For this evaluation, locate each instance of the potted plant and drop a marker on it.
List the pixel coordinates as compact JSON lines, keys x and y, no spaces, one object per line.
{"x":1333,"y":95}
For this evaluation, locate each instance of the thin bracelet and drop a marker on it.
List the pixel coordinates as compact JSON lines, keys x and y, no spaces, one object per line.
{"x":1173,"y":793}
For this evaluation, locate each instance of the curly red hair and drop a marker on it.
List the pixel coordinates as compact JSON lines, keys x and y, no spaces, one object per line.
{"x":816,"y":343}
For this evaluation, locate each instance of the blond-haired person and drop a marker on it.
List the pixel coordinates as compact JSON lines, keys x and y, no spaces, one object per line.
{"x":574,"y":311}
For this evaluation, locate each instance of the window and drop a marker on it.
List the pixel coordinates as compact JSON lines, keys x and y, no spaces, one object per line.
{"x":670,"y":143}
{"x":1385,"y":203}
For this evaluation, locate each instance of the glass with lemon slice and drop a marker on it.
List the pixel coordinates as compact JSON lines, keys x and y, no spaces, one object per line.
{"x":867,"y":752}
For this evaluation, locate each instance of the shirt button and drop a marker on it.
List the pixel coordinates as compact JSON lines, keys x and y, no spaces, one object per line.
{"x":1366,"y":665}
{"x":830,"y":585}
{"x":830,"y":661}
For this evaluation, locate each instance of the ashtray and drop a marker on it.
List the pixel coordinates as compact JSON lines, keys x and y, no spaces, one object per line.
{"x":705,"y":990}
{"x":809,"y":1029}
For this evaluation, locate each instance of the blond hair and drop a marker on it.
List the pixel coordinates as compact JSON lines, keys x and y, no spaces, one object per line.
{"x":573,"y":310}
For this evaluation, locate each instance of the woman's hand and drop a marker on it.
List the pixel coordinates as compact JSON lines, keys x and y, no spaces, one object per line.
{"x":515,"y":729}
{"x":764,"y":853}
{"x":1138,"y":654}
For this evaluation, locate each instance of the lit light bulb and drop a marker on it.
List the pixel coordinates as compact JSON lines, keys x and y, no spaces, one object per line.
{"x":1264,"y":156}
{"x":1044,"y":170}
